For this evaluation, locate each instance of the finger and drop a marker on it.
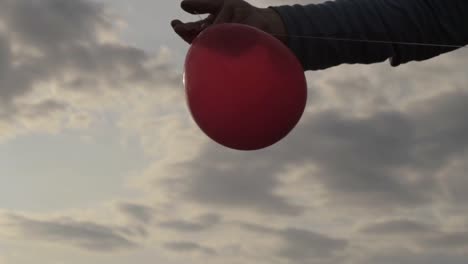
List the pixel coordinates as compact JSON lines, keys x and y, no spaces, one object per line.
{"x":188,"y":31}
{"x":198,"y":25}
{"x":224,"y":16}
{"x":202,"y":6}
{"x":175,"y":23}
{"x":186,"y":26}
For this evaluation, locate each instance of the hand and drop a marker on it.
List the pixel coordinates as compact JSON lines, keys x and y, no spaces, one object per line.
{"x":228,"y":11}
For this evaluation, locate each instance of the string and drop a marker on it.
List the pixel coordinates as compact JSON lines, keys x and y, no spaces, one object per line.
{"x":373,"y":41}
{"x":199,"y":16}
{"x":362,"y":40}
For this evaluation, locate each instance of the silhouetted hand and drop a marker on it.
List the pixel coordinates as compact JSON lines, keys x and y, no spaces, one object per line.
{"x":228,"y":11}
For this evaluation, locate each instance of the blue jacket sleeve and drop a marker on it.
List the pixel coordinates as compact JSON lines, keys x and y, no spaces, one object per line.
{"x":422,"y":21}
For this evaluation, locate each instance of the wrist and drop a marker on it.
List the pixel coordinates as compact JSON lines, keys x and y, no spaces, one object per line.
{"x":276,"y":24}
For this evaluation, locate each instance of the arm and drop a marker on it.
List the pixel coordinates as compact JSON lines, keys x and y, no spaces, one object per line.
{"x":422,"y":21}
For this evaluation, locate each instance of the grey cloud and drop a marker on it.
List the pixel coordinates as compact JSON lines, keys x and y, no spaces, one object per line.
{"x":43,"y":108}
{"x":455,"y":182}
{"x":242,"y":183}
{"x":204,"y":222}
{"x":108,"y":62}
{"x":137,"y":212}
{"x":133,"y":231}
{"x":181,"y":225}
{"x":359,"y":156}
{"x":258,"y":228}
{"x":66,"y":35}
{"x":399,"y":227}
{"x":355,"y":157}
{"x":408,"y":257}
{"x":429,"y":237}
{"x":185,"y":246}
{"x":209,"y":219}
{"x":5,"y":55}
{"x":448,"y":240}
{"x":51,"y":24}
{"x":394,"y":159}
{"x":299,"y":244}
{"x":304,"y":244}
{"x":365,"y":158}
{"x":442,"y":132}
{"x":86,"y":235}
{"x":359,"y":160}
{"x":17,"y":80}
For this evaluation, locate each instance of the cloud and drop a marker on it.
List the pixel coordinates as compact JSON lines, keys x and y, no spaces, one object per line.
{"x":453,"y":180}
{"x":204,"y":222}
{"x":229,"y":179}
{"x":303,"y":244}
{"x":408,"y":257}
{"x":52,"y":23}
{"x":300,"y":244}
{"x":82,"y":234}
{"x":141,"y":213}
{"x":357,"y":157}
{"x":404,"y":161}
{"x":67,"y":53}
{"x":372,"y":139}
{"x":53,"y":30}
{"x":441,"y":130}
{"x":360,"y":159}
{"x":398,"y":227}
{"x":428,"y":239}
{"x":387,"y":159}
{"x":184,"y":246}
{"x":448,"y":240}
{"x":328,"y":140}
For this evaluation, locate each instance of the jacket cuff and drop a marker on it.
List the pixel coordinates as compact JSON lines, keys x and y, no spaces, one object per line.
{"x":293,"y":29}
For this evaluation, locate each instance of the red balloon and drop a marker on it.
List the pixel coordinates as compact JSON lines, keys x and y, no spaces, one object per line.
{"x":244,"y":88}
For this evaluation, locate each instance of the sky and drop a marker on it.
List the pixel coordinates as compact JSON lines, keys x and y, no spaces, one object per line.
{"x":101,"y":162}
